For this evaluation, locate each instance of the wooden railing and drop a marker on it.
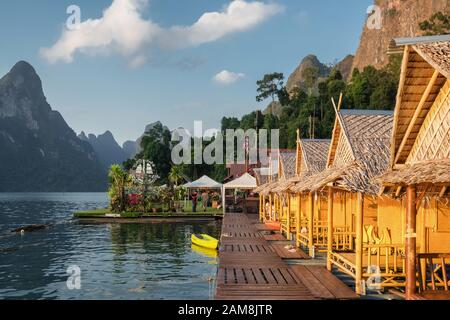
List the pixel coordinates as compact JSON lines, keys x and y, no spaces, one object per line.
{"x":433,"y":271}
{"x":386,"y":261}
{"x":302,"y":239}
{"x":343,"y":238}
{"x":320,"y":233}
{"x":383,"y":265}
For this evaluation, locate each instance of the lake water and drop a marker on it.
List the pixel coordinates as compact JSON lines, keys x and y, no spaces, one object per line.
{"x":117,"y":261}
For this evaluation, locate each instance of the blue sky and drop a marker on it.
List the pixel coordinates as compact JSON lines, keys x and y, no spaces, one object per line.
{"x":103,"y":91}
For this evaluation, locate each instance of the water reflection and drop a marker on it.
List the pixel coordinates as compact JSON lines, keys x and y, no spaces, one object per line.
{"x":118,"y":261}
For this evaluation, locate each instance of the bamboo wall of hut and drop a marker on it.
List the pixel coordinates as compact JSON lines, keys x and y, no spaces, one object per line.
{"x":378,"y":202}
{"x":420,"y":165}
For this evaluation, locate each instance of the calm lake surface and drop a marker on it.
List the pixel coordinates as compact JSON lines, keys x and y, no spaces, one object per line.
{"x":117,"y":261}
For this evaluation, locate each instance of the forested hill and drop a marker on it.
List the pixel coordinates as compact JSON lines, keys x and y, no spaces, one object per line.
{"x":313,"y":113}
{"x":305,"y":102}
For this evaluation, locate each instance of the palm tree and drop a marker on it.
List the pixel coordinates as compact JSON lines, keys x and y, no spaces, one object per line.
{"x":176,"y":174}
{"x":118,"y":181}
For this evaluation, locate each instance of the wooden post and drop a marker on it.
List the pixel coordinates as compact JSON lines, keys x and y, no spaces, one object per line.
{"x":279,"y":209}
{"x":359,"y":245}
{"x":262,"y":208}
{"x":411,"y":236}
{"x":288,"y":222}
{"x":270,"y":206}
{"x":297,"y":219}
{"x":330,"y":228}
{"x":310,"y":224}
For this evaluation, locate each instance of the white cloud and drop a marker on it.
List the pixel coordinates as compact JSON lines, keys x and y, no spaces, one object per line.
{"x":238,"y":16}
{"x":226,"y":77}
{"x":123,"y":30}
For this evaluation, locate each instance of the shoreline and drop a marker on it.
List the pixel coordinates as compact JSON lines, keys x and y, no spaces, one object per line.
{"x":104,"y":216}
{"x":148,"y":220}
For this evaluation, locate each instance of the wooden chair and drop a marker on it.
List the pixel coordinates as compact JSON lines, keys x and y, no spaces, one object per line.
{"x":433,"y":274}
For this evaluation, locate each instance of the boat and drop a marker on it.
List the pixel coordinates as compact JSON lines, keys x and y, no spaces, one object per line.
{"x":205,"y":241}
{"x":209,"y":253}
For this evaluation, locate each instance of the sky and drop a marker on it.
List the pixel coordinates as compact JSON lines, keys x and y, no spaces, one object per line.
{"x":133,"y":62}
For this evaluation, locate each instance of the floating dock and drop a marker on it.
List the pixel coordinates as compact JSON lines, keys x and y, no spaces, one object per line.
{"x":253,"y":266}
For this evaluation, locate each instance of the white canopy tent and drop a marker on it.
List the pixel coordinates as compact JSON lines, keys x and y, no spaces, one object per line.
{"x":204,"y":182}
{"x":245,"y":182}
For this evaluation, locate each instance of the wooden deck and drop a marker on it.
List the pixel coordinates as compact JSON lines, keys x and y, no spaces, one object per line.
{"x":274,"y":237}
{"x":252,"y":268}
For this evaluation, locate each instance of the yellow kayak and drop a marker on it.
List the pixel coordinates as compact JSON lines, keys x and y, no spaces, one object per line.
{"x":209,"y":253}
{"x":205,"y":241}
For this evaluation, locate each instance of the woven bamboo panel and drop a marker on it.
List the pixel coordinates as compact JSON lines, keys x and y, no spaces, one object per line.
{"x":422,"y":63}
{"x":344,"y":154}
{"x":315,"y":154}
{"x":433,"y":139}
{"x":334,"y":143}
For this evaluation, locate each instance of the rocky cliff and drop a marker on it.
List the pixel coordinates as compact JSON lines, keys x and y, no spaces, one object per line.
{"x":399,"y":18}
{"x":38,"y":150}
{"x":297,"y":78}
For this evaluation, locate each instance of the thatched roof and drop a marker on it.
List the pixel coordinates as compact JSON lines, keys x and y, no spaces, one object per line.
{"x":285,"y":186}
{"x":437,"y":54}
{"x":261,"y":175}
{"x":365,"y":127}
{"x":260,"y":188}
{"x":425,"y":71}
{"x":287,"y":164}
{"x":366,"y":133}
{"x":268,"y":188}
{"x":435,"y":172}
{"x":320,"y":180}
{"x":313,"y":153}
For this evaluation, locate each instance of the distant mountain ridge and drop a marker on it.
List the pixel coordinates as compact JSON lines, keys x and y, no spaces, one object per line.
{"x":38,"y":150}
{"x":106,"y":148}
{"x":109,"y":151}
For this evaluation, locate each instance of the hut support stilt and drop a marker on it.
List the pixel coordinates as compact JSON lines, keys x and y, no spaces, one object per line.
{"x":359,"y":286}
{"x":311,"y":224}
{"x":270,"y":207}
{"x":288,"y":222}
{"x":411,"y":236}
{"x":330,"y":228}
{"x":297,"y":220}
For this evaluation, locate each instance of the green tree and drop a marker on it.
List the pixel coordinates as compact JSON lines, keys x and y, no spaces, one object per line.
{"x":283,"y":96}
{"x":437,"y":24}
{"x":119,"y":180}
{"x":156,"y":148}
{"x":269,"y":86}
{"x":176,"y":174}
{"x":230,"y":123}
{"x":270,"y":122}
{"x":259,"y":120}
{"x":248,"y":121}
{"x":311,"y":76}
{"x":129,"y":164}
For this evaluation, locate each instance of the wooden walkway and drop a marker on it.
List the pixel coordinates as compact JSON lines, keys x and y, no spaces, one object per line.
{"x":251,"y":268}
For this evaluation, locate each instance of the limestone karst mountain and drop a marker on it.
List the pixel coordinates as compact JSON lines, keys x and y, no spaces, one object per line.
{"x":38,"y":150}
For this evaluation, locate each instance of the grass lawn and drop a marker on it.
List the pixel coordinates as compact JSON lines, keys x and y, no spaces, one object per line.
{"x":187,"y":211}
